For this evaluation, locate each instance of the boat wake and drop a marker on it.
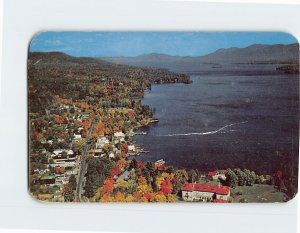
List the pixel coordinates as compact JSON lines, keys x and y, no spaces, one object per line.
{"x":220,"y":130}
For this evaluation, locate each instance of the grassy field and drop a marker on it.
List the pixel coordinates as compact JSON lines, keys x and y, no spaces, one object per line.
{"x":258,"y":193}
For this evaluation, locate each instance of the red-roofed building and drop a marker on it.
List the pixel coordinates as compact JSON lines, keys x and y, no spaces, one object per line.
{"x":59,"y":170}
{"x":204,"y":192}
{"x":212,"y":174}
{"x":218,"y":174}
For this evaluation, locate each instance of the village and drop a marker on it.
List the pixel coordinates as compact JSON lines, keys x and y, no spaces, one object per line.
{"x":63,"y":163}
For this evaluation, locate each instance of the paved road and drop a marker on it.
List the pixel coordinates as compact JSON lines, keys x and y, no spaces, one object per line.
{"x":83,"y":165}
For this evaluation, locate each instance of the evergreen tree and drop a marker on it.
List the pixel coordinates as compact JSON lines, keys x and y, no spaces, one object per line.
{"x":231,"y":178}
{"x":133,"y":164}
{"x":73,"y":182}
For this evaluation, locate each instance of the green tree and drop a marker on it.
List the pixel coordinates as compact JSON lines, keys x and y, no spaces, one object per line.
{"x":98,"y":170}
{"x":73,"y":182}
{"x":249,"y":177}
{"x":259,"y":179}
{"x":133,"y":164}
{"x":242,"y":177}
{"x":231,"y":178}
{"x":192,"y":174}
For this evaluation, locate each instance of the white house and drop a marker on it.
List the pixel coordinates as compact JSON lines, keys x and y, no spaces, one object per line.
{"x":159,"y":162}
{"x":80,"y":129}
{"x":57,"y":152}
{"x":131,"y":148}
{"x":70,"y":152}
{"x":85,"y":116}
{"x":119,"y":134}
{"x":101,"y":142}
{"x":205,"y":193}
{"x":77,"y":136}
{"x":57,"y":155}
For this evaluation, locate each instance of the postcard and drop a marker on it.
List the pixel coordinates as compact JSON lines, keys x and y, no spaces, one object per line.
{"x":163,"y":117}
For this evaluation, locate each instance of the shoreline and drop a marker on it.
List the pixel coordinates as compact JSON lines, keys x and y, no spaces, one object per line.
{"x":139,"y":149}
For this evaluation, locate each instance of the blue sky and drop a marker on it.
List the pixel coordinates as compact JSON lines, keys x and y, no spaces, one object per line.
{"x":110,"y":44}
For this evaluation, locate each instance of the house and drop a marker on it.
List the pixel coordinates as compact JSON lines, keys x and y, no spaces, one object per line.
{"x":159,"y":162}
{"x":98,"y":153}
{"x":119,"y":134}
{"x":218,"y":174}
{"x":67,"y":165}
{"x":101,"y":142}
{"x":61,"y":179}
{"x":41,"y":172}
{"x":59,"y":170}
{"x":47,"y":179}
{"x":205,"y":192}
{"x":59,"y":153}
{"x":77,"y":136}
{"x":63,"y":155}
{"x":80,"y":129}
{"x":131,"y":148}
{"x":64,"y":160}
{"x":85,"y":116}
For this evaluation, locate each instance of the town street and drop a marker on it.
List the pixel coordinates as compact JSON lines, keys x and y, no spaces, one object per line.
{"x":83,"y":164}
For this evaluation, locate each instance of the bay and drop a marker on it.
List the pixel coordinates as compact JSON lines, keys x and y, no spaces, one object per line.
{"x":221,"y":121}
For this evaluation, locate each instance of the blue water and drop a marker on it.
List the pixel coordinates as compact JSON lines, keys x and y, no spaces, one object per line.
{"x":224,"y":121}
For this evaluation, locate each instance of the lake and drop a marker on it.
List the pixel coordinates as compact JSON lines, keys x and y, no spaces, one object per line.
{"x":221,"y":121}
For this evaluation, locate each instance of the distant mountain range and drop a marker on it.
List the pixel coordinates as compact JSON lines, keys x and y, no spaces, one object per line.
{"x":254,"y":54}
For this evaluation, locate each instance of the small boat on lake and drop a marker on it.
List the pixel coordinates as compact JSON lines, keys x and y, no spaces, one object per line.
{"x":154,"y":120}
{"x":140,"y":133}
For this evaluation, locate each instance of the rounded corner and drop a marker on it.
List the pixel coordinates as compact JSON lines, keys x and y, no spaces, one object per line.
{"x":35,"y":198}
{"x":293,"y":197}
{"x":33,"y":37}
{"x":290,"y":34}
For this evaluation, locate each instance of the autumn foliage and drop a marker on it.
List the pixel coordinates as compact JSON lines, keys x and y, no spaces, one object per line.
{"x":108,"y":186}
{"x":166,"y":187}
{"x":121,"y":163}
{"x":98,"y":129}
{"x":120,"y":197}
{"x":115,"y":171}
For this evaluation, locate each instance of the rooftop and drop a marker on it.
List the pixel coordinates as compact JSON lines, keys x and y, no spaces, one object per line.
{"x":212,"y":173}
{"x":222,"y":190}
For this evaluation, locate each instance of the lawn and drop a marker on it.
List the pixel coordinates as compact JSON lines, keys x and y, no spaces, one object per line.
{"x":258,"y":193}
